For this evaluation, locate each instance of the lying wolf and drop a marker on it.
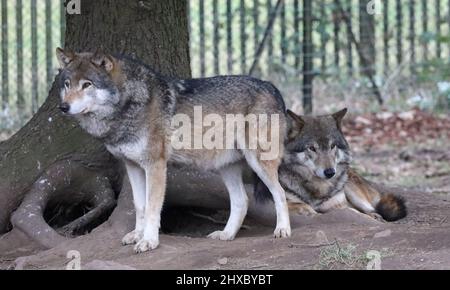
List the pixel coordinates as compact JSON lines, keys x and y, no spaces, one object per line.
{"x":130,"y":108}
{"x":316,"y":174}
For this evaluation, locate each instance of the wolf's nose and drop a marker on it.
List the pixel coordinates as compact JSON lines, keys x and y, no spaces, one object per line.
{"x":64,"y":107}
{"x":329,"y":172}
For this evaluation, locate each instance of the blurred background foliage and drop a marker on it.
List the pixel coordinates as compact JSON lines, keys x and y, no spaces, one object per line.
{"x":398,"y":50}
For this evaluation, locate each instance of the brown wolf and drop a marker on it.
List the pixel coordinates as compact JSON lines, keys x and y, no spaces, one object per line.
{"x":316,"y":174}
{"x":131,"y":109}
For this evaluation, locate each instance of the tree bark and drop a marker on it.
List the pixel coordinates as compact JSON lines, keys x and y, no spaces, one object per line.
{"x":153,"y":31}
{"x":367,"y":37}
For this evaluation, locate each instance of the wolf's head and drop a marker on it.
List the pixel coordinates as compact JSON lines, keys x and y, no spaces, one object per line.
{"x":317,"y":143}
{"x":87,"y":82}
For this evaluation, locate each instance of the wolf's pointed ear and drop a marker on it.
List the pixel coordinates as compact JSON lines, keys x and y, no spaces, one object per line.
{"x":103,"y":60}
{"x":64,"y":57}
{"x":338,"y":116}
{"x":295,"y":126}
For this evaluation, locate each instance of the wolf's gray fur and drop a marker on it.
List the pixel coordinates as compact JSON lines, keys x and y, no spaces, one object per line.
{"x":128,"y":106}
{"x":315,"y":144}
{"x":316,"y":173}
{"x":306,"y":168}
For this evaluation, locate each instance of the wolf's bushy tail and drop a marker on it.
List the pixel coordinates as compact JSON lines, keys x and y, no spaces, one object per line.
{"x":391,"y":207}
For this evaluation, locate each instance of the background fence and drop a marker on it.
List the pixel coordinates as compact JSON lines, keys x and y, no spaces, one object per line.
{"x":31,"y":30}
{"x":375,"y":46}
{"x":369,"y":42}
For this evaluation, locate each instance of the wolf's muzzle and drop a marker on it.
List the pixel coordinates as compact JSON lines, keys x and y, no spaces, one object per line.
{"x":64,"y":107}
{"x":329,"y":172}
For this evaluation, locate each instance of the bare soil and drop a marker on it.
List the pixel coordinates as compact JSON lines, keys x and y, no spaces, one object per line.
{"x":336,"y":240}
{"x":341,"y":239}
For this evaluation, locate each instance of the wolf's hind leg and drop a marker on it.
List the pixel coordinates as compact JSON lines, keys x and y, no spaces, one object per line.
{"x":359,"y":201}
{"x":137,"y":181}
{"x":361,"y":204}
{"x":267,"y":171}
{"x":232,"y":178}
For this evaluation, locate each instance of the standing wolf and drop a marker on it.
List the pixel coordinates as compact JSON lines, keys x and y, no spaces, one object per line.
{"x":316,"y":173}
{"x":129,"y":108}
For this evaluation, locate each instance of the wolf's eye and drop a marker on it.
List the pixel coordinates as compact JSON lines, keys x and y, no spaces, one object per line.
{"x":86,"y":85}
{"x":333,"y":146}
{"x":312,"y":148}
{"x":67,"y":83}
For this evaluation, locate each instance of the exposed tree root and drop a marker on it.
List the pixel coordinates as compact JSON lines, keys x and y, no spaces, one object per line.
{"x":58,"y":199}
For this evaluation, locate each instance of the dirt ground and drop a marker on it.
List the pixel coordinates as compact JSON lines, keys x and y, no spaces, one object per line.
{"x":419,"y":166}
{"x":337,"y":240}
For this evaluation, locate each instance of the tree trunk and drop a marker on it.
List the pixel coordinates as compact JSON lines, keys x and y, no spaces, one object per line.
{"x":367,"y":37}
{"x":33,"y":160}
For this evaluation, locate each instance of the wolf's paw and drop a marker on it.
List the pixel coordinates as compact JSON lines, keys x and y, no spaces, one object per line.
{"x":221,"y":235}
{"x":282,"y":232}
{"x":145,"y":245}
{"x":302,"y":209}
{"x":377,"y":217}
{"x":132,"y":238}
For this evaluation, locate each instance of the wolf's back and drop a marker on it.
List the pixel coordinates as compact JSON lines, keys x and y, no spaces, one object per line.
{"x":237,"y":90}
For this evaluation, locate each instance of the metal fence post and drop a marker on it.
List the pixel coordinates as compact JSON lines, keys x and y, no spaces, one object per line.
{"x":307,"y":57}
{"x":5,"y":67}
{"x":19,"y":46}
{"x":202,"y":37}
{"x":34,"y":56}
{"x":48,"y":42}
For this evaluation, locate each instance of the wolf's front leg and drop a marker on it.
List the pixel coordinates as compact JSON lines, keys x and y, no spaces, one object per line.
{"x":136,"y":175}
{"x":155,"y":175}
{"x":301,"y":208}
{"x":336,"y":202}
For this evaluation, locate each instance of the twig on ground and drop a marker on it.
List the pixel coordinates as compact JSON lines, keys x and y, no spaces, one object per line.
{"x":209,"y":218}
{"x":259,"y":266}
{"x":437,"y":174}
{"x":313,"y":245}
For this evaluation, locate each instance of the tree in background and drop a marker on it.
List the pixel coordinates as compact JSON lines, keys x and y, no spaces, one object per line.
{"x":51,"y":172}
